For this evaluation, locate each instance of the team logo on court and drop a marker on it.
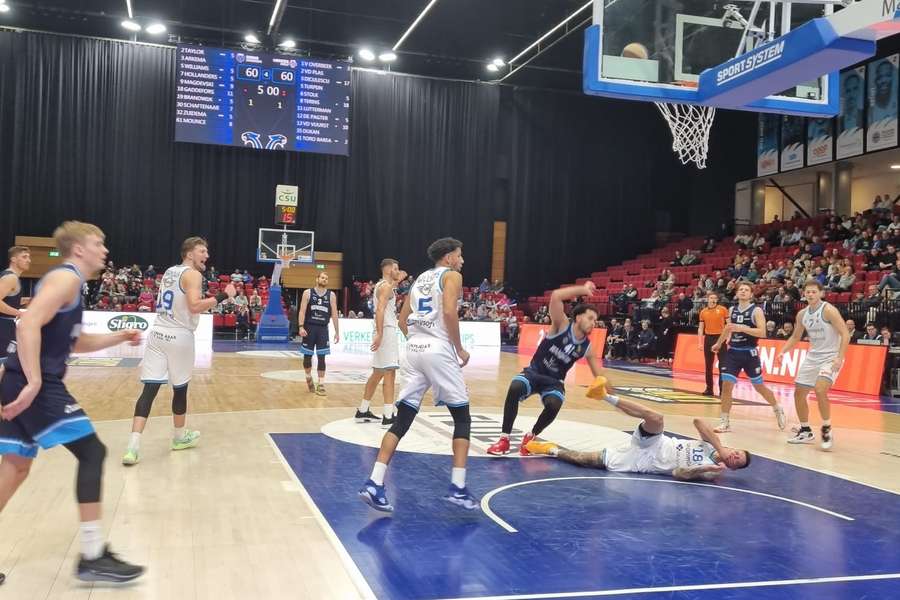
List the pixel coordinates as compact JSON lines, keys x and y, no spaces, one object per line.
{"x":671,"y":396}
{"x":127,"y":322}
{"x":432,"y":433}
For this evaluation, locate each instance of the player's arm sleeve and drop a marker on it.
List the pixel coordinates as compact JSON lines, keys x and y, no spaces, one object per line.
{"x":301,"y":312}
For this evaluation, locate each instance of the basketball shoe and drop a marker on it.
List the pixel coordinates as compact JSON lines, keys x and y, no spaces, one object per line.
{"x":537,"y":447}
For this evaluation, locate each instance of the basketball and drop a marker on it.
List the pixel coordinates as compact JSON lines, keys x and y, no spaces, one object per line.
{"x":635,"y":50}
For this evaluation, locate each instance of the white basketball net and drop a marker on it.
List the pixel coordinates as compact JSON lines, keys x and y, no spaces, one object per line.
{"x":690,"y":125}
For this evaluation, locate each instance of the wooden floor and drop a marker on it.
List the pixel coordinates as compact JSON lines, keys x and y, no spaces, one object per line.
{"x":228,"y":520}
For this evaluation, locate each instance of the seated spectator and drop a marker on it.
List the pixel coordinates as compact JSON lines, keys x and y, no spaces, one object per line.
{"x":892,"y":279}
{"x":893,"y":229}
{"x":771,"y":334}
{"x":872,"y":334}
{"x":255,"y":302}
{"x":792,"y":290}
{"x":689,"y":258}
{"x":243,"y":322}
{"x":685,"y":305}
{"x":150,"y":273}
{"x":240,"y":300}
{"x":709,"y":245}
{"x":758,"y":242}
{"x":237,"y":277}
{"x":854,"y":333}
{"x":743,"y":240}
{"x":794,"y":237}
{"x":644,"y":343}
{"x":846,"y":281}
{"x":819,"y":275}
{"x":649,"y":306}
{"x":619,"y":344}
{"x":787,"y":329}
{"x":816,"y":248}
{"x":512,"y":329}
{"x":752,"y":274}
{"x":886,"y":337}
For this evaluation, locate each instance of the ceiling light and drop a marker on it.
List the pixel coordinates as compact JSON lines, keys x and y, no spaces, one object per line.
{"x":129,"y":25}
{"x":895,"y":167}
{"x":366,"y":54}
{"x":251,"y":38}
{"x":128,"y":6}
{"x":414,"y":23}
{"x":387,"y":56}
{"x":289,"y":43}
{"x":156,"y":28}
{"x":4,"y":8}
{"x":492,"y":67}
{"x":498,"y":62}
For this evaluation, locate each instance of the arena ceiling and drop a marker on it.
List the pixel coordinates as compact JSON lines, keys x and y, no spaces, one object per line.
{"x":454,"y":39}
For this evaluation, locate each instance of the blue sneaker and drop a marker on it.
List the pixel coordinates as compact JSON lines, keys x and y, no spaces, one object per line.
{"x":462,"y":497}
{"x":373,"y":495}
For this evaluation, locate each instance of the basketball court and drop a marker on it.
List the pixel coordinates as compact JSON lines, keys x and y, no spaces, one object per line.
{"x":267,"y":506}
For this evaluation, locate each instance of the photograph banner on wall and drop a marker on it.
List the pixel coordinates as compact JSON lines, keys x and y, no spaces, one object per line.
{"x":791,"y":142}
{"x":767,"y":145}
{"x":881,"y":126}
{"x":819,"y":141}
{"x":850,"y":118}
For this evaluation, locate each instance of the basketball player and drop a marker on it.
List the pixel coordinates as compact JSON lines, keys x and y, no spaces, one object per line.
{"x":169,"y":356}
{"x":386,"y":357}
{"x":650,"y":450}
{"x":11,"y":297}
{"x":712,"y":322}
{"x":566,"y":341}
{"x":38,"y":411}
{"x":434,"y":359}
{"x":317,"y":306}
{"x":828,"y":341}
{"x":746,"y":324}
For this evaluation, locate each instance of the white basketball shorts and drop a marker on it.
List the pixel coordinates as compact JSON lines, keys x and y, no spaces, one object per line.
{"x":650,"y":454}
{"x":169,"y":356}
{"x":432,"y":363}
{"x":388,"y":354}
{"x":814,"y":367}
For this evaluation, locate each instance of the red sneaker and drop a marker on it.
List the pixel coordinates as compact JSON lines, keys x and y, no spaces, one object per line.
{"x":500,"y":448}
{"x":525,"y":439}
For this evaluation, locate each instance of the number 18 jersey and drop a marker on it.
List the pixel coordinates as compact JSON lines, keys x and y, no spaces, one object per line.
{"x":426,"y":299}
{"x":171,"y":302}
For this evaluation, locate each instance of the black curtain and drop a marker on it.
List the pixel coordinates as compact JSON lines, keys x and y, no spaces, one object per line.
{"x":88,"y":129}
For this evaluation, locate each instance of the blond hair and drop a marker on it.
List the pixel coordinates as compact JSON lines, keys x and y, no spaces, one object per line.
{"x":74,"y":232}
{"x":191,"y":243}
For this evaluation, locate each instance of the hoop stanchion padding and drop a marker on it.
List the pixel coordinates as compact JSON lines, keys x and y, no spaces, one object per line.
{"x":273,"y":325}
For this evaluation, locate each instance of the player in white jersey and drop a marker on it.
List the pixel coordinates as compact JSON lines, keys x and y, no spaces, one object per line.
{"x":434,"y":359}
{"x":169,"y":356}
{"x":828,"y":341}
{"x":650,"y":450}
{"x":385,"y":345}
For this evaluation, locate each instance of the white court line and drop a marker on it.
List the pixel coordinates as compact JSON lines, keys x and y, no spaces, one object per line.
{"x":689,"y":588}
{"x":486,"y":499}
{"x":355,"y":574}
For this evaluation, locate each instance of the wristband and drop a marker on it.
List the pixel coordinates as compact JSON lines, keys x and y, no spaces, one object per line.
{"x":221,"y":297}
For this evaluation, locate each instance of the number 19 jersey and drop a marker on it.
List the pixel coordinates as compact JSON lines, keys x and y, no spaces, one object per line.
{"x":171,"y":302}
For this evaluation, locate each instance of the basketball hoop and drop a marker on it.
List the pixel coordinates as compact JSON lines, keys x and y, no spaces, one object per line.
{"x":690,"y":125}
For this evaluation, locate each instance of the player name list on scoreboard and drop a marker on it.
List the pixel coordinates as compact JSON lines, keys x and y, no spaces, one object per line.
{"x":262,"y":101}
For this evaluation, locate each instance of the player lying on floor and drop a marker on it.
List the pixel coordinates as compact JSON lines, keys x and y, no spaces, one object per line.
{"x":650,"y":450}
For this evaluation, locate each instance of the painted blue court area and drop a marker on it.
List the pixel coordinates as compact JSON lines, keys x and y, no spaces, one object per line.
{"x":763,"y":532}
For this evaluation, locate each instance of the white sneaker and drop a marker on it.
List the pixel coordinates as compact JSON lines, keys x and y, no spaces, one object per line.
{"x":827,"y":438}
{"x":779,"y":416}
{"x":724,"y":425}
{"x":803,"y":436}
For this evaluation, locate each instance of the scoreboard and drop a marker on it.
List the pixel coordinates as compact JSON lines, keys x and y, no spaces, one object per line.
{"x":262,"y":101}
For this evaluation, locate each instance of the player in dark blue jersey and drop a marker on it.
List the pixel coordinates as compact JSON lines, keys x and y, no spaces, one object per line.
{"x":746,"y":323}
{"x":318,"y":306}
{"x":38,"y":411}
{"x":11,"y":297}
{"x":565,"y":343}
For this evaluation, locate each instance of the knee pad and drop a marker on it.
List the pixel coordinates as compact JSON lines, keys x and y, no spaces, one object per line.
{"x":552,"y":402}
{"x":462,"y":421}
{"x":517,"y":390}
{"x":320,"y":363}
{"x":307,"y":361}
{"x":145,"y":402}
{"x":90,"y":453}
{"x":179,"y":400}
{"x":403,"y":420}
